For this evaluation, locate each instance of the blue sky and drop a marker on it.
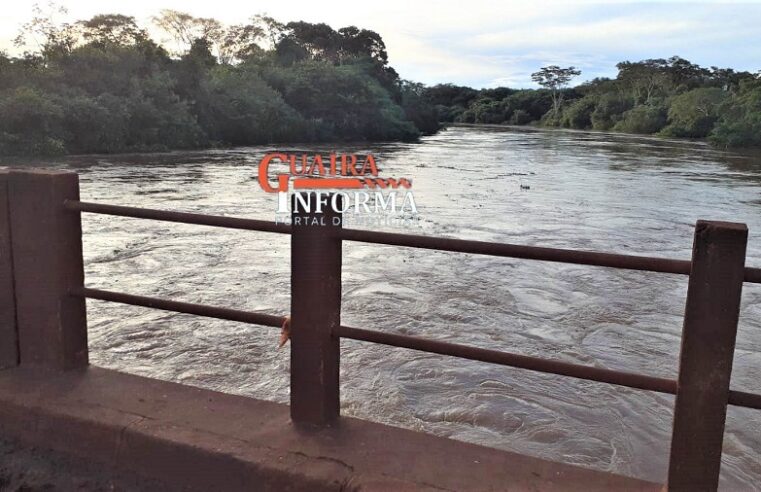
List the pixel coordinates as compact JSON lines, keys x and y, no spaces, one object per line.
{"x":490,"y":43}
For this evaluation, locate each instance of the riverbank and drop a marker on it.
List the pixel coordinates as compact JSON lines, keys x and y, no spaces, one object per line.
{"x":749,"y":152}
{"x":666,"y":97}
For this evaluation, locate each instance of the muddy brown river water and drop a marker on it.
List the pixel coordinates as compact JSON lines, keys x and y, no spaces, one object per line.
{"x":587,"y":191}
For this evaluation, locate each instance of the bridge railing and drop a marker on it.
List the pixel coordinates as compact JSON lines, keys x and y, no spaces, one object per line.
{"x":43,"y":312}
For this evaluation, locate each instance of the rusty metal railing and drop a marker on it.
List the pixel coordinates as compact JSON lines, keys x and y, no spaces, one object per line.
{"x":40,"y":213}
{"x":592,"y":258}
{"x":181,"y":217}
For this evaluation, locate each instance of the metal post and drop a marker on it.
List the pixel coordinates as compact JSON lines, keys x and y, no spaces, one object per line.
{"x":705,"y":362}
{"x":315,"y":311}
{"x":47,"y":265}
{"x":8,"y":333}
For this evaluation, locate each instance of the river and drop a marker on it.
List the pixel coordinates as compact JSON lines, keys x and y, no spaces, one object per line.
{"x":589,"y":191}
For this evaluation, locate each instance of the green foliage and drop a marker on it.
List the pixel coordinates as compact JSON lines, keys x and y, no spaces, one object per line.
{"x":243,"y":109}
{"x":30,"y":123}
{"x":520,"y":117}
{"x":740,"y":123}
{"x":417,"y":109}
{"x":102,"y":86}
{"x":450,"y":101}
{"x":346,"y":102}
{"x":158,"y":119}
{"x":694,"y":113}
{"x":579,"y":113}
{"x":669,"y":97}
{"x":531,"y":104}
{"x":488,"y":110}
{"x":536,"y":103}
{"x":644,"y":119}
{"x":94,"y":125}
{"x":555,"y":79}
{"x":608,"y":111}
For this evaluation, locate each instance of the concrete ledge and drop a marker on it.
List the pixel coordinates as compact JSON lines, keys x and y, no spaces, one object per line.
{"x":206,"y":440}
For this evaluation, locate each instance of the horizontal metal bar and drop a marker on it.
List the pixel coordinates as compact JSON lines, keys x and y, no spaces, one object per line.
{"x":594,"y":258}
{"x":629,"y":262}
{"x":753,"y":275}
{"x":612,"y":260}
{"x":638,"y":381}
{"x":181,"y":217}
{"x":743,"y":399}
{"x":630,"y":380}
{"x":182,"y":307}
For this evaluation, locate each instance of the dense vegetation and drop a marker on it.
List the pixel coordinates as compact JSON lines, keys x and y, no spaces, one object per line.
{"x":103,"y":85}
{"x":672,"y":97}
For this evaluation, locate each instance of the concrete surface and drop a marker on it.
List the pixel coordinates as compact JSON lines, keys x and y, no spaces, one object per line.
{"x":26,"y":468}
{"x":204,"y":440}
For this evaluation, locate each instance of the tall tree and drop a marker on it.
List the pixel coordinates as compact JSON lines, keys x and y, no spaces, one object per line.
{"x":184,"y":29}
{"x":112,"y":29}
{"x":272,"y":30}
{"x":320,"y":40}
{"x":239,"y":42}
{"x":44,"y":33}
{"x":555,"y":79}
{"x":178,"y":25}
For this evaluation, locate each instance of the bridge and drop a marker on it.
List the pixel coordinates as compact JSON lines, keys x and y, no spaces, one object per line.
{"x":51,"y":398}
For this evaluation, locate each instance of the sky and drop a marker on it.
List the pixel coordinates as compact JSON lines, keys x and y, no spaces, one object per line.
{"x":483,"y":43}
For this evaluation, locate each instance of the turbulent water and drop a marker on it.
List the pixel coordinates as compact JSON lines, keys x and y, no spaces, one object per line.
{"x":588,"y":191}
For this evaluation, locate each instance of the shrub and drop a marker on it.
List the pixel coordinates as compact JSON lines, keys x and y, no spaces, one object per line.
{"x":694,"y":113}
{"x":578,"y":114}
{"x":740,"y":123}
{"x":644,"y":119}
{"x":520,"y":117}
{"x":608,"y":111}
{"x":30,"y":123}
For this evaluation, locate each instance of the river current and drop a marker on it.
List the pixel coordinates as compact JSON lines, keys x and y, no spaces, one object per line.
{"x":589,"y":191}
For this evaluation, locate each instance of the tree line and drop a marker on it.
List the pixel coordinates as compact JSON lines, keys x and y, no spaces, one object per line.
{"x":667,"y":97}
{"x":104,"y":85}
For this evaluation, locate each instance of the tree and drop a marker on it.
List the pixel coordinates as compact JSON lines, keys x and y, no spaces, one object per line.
{"x":30,"y":123}
{"x":52,"y":38}
{"x":555,"y":79}
{"x":740,"y":123}
{"x":417,"y":109}
{"x":658,"y":76}
{"x":239,"y":42}
{"x":320,"y":40}
{"x":362,"y":43}
{"x":645,"y":78}
{"x":693,"y":113}
{"x":272,"y":30}
{"x":184,"y":28}
{"x":727,"y":79}
{"x":178,"y":25}
{"x":684,"y":74}
{"x":578,"y":114}
{"x":113,"y":29}
{"x":643,"y":119}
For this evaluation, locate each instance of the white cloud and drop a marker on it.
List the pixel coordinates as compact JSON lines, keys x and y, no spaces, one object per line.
{"x":622,"y":31}
{"x":490,"y":42}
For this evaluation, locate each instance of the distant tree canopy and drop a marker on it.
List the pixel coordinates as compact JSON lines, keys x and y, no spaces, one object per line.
{"x":102,"y":85}
{"x":555,"y":79}
{"x":669,"y":97}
